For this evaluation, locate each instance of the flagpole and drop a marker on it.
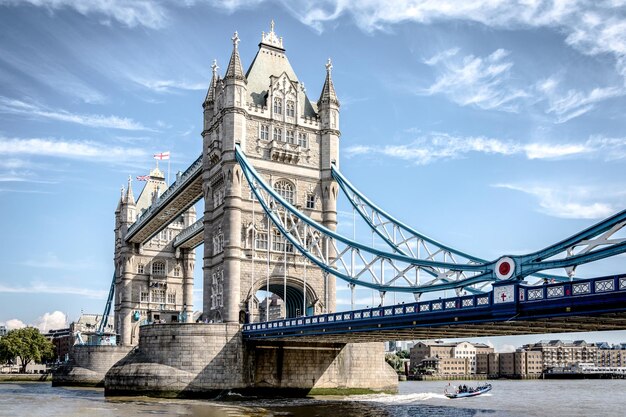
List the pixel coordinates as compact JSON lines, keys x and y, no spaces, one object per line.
{"x":168,"y":172}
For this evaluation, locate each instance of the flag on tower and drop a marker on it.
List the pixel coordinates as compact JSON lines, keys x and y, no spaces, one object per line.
{"x":163,"y":155}
{"x":143,"y":177}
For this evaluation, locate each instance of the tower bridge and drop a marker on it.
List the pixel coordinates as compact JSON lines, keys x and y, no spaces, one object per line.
{"x":269,"y":176}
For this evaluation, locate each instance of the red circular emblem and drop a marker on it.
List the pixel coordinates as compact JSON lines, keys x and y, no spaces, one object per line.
{"x":504,"y":268}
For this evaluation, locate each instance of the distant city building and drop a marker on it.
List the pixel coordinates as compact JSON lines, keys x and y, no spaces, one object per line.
{"x":276,"y":308}
{"x":447,"y":359}
{"x":519,"y":364}
{"x":561,"y":353}
{"x":63,"y":340}
{"x":85,"y":328}
{"x":611,"y":356}
{"x":3,"y":331}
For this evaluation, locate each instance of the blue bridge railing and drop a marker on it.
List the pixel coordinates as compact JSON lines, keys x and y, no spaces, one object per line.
{"x":525,"y":296}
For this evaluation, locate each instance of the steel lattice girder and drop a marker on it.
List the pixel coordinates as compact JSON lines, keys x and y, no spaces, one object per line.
{"x":330,"y":255}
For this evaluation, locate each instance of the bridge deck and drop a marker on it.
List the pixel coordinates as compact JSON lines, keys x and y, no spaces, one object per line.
{"x":579,"y":306}
{"x":181,"y":195}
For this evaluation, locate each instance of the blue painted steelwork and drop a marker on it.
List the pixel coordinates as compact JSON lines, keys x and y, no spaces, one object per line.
{"x":255,"y":180}
{"x":580,"y":298}
{"x":107,"y":309}
{"x":519,"y":266}
{"x":362,"y":204}
{"x":179,"y":186}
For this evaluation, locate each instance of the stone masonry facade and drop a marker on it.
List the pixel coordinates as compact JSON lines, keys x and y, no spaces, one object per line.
{"x":292,"y":142}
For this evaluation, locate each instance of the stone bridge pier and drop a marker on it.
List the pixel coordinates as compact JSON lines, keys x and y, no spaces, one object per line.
{"x":208,"y":360}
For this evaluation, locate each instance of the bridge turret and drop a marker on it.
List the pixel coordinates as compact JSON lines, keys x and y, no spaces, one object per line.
{"x":209,"y":100}
{"x":328,"y":110}
{"x":234,"y":101}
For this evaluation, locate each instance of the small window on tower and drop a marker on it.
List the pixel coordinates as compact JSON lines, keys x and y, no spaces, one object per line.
{"x":177,"y":271}
{"x":158,"y":268}
{"x":278,"y":105}
{"x":140,"y":268}
{"x":310,"y":201}
{"x":278,"y":134}
{"x":290,"y":137}
{"x":291,"y":108}
{"x":261,"y":240}
{"x":264,"y":132}
{"x":303,"y":140}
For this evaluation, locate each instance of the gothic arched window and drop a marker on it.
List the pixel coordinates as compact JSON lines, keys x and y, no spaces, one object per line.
{"x":278,"y":105}
{"x":158,"y":268}
{"x":285,"y":189}
{"x":291,"y":108}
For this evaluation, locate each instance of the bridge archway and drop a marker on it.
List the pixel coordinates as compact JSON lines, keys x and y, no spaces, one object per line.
{"x":293,"y":299}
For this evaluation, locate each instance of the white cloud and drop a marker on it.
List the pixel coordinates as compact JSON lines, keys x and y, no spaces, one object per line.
{"x":592,"y":27}
{"x":52,"y":261}
{"x":506,"y":348}
{"x":566,"y":202}
{"x":12,"y":106}
{"x":51,"y":321}
{"x":130,"y":13}
{"x":476,"y":81}
{"x":435,"y":146}
{"x":66,"y":149}
{"x":14,"y":324}
{"x":168,"y":86}
{"x":576,"y":103}
{"x":41,"y":288}
{"x":441,"y":56}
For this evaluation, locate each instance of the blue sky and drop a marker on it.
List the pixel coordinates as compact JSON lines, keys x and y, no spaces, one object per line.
{"x":492,"y":126}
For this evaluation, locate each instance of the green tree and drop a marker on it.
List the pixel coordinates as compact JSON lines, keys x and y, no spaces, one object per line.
{"x":403,"y":354}
{"x":27,"y":344}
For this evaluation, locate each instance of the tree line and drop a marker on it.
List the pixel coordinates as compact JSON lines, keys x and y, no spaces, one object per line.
{"x":27,"y":345}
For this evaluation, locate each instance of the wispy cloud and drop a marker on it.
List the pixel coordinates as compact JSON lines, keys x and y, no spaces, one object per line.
{"x":168,"y":86}
{"x":52,"y":261}
{"x":574,"y":103}
{"x":435,"y":146}
{"x":591,"y":27}
{"x":66,"y":149}
{"x":19,"y":176}
{"x":435,"y":59}
{"x":566,"y":202}
{"x":18,"y":107}
{"x":146,"y":13}
{"x":42,"y":288}
{"x":476,"y":81}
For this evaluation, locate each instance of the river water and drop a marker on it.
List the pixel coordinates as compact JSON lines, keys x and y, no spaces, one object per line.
{"x":415,"y":399}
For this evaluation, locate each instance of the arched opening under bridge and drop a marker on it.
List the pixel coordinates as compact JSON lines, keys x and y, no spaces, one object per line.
{"x":279,"y":297}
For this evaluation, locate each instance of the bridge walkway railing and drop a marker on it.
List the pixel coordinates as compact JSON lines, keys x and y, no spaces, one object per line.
{"x":526,"y":295}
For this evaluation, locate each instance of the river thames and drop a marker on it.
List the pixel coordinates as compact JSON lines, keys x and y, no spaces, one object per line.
{"x":508,"y":398}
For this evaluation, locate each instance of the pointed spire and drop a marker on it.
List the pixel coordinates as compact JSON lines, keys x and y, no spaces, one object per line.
{"x":234,"y":70}
{"x":210,"y":95}
{"x":119,"y":203}
{"x":130,"y":198}
{"x":328,"y":91}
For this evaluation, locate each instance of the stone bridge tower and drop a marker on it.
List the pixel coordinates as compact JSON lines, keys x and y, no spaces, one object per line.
{"x":292,"y":142}
{"x":153,"y":283}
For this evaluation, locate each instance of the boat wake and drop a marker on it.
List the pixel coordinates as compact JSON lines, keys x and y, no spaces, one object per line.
{"x":397,"y":398}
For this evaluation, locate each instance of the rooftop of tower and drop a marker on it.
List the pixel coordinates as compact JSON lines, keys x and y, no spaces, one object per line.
{"x":271,"y":60}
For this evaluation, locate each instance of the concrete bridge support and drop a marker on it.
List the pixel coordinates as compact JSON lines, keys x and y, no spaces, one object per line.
{"x":206,"y":360}
{"x":88,"y":365}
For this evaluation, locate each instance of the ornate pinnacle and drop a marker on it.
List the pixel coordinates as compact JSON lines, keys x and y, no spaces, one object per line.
{"x":235,"y":39}
{"x":214,"y":67}
{"x":329,"y":66}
